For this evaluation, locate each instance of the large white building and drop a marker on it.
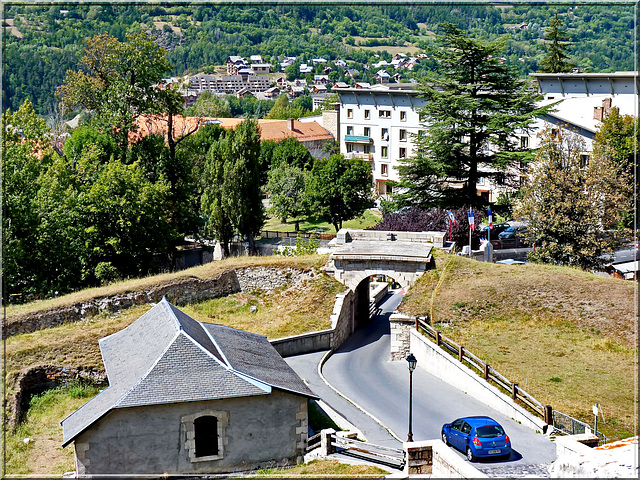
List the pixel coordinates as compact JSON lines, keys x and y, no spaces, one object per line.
{"x":378,"y":123}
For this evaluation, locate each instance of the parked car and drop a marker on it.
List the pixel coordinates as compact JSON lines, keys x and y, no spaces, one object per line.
{"x":513,"y":231}
{"x":477,"y":437}
{"x":497,"y":229}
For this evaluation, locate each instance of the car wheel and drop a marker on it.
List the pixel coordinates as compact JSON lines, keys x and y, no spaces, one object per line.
{"x":444,"y":438}
{"x":470,"y":456}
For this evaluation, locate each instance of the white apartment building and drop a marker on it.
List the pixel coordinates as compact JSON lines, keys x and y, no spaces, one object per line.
{"x":378,"y":124}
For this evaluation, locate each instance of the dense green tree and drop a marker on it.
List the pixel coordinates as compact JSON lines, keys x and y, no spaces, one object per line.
{"x":291,"y":152}
{"x":557,"y":42}
{"x":126,"y":222}
{"x":25,"y":157}
{"x":573,"y":209}
{"x":287,"y":192}
{"x":241,"y":188}
{"x":118,"y":82}
{"x":473,"y":110}
{"x":210,"y":105}
{"x":340,"y":189}
{"x":218,"y":220}
{"x":232,"y":197}
{"x":283,"y":109}
{"x":617,"y":141}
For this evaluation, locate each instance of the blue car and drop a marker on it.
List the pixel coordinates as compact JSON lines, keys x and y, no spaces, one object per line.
{"x":477,"y":437}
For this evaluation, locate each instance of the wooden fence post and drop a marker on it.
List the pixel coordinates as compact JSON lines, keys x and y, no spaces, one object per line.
{"x":548,"y":415}
{"x":460,"y":352}
{"x":514,"y":390}
{"x":486,"y":371}
{"x":438,"y":340}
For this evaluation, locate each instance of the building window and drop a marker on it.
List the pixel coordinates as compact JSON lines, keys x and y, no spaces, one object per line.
{"x":349,"y":147}
{"x":403,"y":116}
{"x":385,"y":134}
{"x":524,"y":142}
{"x":349,"y":130}
{"x":206,"y":436}
{"x":383,"y":169}
{"x":366,"y":148}
{"x":367,"y":132}
{"x":349,"y":112}
{"x":367,"y":114}
{"x":480,"y":180}
{"x":203,"y":435}
{"x":584,"y":160}
{"x":403,"y":153}
{"x":384,"y":152}
{"x":385,"y":113}
{"x":403,"y":135}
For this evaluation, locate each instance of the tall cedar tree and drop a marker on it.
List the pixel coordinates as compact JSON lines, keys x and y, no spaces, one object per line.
{"x":474,"y":109}
{"x":557,"y":43}
{"x":574,"y":210}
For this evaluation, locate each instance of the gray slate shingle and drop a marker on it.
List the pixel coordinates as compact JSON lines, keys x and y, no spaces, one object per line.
{"x":168,"y":357}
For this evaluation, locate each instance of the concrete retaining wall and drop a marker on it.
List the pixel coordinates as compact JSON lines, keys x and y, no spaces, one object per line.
{"x":437,"y":362}
{"x":306,"y":343}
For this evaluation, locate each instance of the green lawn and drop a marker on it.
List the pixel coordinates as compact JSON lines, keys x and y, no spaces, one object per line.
{"x":368,"y":219}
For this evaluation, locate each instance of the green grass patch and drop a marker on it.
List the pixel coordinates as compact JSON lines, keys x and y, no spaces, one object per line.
{"x":318,"y":419}
{"x":318,"y":225}
{"x":323,"y":469}
{"x":564,"y":335}
{"x":36,"y":446}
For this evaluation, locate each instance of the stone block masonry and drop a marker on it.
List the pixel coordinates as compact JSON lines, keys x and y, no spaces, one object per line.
{"x":181,"y":291}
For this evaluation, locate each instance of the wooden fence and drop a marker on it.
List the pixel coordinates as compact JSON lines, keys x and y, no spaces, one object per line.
{"x":486,"y":371}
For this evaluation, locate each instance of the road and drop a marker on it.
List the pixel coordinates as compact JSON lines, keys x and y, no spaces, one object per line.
{"x":362,"y":371}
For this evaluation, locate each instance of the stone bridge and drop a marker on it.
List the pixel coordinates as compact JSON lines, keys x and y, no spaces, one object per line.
{"x":359,"y":254}
{"x":403,"y":256}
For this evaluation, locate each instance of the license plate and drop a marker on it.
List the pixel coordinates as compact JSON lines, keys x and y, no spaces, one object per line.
{"x":491,"y":452}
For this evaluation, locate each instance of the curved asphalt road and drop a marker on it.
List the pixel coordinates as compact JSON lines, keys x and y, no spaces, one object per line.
{"x":362,"y":371}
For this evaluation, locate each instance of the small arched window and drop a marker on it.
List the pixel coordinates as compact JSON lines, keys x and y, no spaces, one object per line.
{"x":206,"y":436}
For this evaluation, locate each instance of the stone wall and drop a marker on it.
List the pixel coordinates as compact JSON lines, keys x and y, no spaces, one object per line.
{"x":400,"y":326}
{"x":37,"y":379}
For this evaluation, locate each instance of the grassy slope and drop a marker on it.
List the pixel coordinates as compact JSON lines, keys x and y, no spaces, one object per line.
{"x":289,"y":311}
{"x":566,"y":336}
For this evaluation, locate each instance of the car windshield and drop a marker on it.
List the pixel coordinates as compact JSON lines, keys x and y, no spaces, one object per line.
{"x":489,"y":431}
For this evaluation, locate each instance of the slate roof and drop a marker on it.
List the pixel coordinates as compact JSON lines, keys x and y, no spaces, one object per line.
{"x":168,"y":357}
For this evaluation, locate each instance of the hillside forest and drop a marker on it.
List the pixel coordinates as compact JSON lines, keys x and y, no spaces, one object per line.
{"x":42,"y":42}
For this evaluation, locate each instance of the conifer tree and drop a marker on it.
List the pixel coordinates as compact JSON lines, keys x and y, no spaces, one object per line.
{"x":474,"y":109}
{"x":557,"y":42}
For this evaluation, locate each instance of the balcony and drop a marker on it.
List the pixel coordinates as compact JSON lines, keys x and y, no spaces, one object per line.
{"x":358,"y":139}
{"x":367,"y":157}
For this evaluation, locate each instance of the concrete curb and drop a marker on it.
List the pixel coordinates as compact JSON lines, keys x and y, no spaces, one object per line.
{"x":326,"y":357}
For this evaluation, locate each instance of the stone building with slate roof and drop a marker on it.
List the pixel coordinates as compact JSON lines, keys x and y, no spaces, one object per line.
{"x":186,"y":397}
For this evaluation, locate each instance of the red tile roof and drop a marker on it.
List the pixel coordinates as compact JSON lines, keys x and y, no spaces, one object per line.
{"x":275,"y":130}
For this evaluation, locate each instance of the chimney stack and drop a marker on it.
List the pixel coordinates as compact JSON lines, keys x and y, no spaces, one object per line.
{"x":290,"y":121}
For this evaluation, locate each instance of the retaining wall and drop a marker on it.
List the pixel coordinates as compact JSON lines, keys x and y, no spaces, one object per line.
{"x":442,"y":365}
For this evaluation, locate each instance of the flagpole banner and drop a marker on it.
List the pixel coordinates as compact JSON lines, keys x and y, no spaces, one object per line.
{"x":471,"y":219}
{"x":490,"y":217}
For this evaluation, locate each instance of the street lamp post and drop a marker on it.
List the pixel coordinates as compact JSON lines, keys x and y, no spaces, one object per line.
{"x":411,"y":360}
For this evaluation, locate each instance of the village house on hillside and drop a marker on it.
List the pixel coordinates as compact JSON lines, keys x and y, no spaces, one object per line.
{"x":186,"y":397}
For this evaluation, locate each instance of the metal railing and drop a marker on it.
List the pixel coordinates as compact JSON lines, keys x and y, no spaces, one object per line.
{"x":294,"y":235}
{"x":386,"y":455}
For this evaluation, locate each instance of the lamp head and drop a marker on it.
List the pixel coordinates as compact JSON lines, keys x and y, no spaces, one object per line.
{"x":411,"y":360}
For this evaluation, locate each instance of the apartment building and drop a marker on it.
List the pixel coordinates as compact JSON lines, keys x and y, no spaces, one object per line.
{"x":378,"y":124}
